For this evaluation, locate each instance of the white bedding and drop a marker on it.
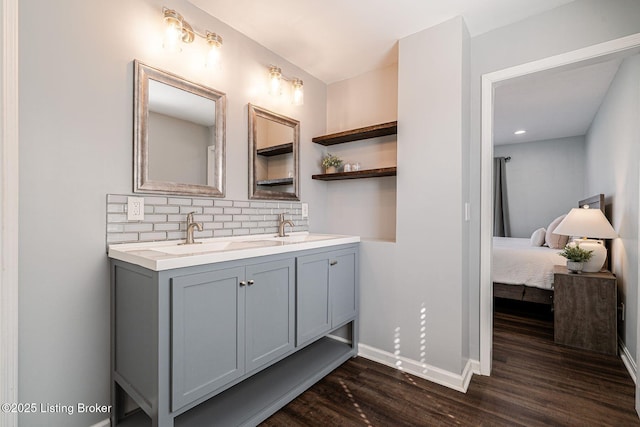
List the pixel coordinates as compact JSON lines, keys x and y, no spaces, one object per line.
{"x":516,"y":262}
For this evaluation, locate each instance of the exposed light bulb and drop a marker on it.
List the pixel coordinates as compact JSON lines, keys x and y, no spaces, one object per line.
{"x":298,"y":92}
{"x":275,"y":77}
{"x":173,"y":31}
{"x":215,"y":47}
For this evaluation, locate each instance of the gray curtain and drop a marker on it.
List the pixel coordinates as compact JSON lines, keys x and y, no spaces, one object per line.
{"x":501,"y":225}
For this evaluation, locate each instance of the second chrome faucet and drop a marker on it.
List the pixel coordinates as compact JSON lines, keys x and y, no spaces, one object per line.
{"x":281,"y":223}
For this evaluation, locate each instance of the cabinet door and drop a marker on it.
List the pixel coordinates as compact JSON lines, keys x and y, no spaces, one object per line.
{"x":342,"y":281}
{"x":207,"y":333}
{"x":270,"y":311}
{"x":313,"y":317}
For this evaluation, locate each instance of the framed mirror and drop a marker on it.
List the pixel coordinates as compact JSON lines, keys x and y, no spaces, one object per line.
{"x":179,"y":135}
{"x":273,"y":155}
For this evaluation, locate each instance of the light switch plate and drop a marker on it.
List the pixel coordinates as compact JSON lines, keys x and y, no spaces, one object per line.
{"x":467,"y":211}
{"x":305,"y":210}
{"x":135,"y":208}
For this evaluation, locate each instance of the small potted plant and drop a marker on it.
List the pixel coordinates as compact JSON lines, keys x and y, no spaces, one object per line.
{"x":576,"y":257}
{"x":330,"y":162}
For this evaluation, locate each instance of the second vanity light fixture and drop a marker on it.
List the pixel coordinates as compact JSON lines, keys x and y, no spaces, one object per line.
{"x":275,"y":85}
{"x":177,"y":30}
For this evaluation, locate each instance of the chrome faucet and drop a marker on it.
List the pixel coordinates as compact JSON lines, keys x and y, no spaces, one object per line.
{"x":281,"y":223}
{"x":190,"y":226}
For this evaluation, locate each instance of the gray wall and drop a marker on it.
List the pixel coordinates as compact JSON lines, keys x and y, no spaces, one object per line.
{"x":430,"y":231}
{"x":613,"y":151}
{"x":545,"y":179}
{"x":573,"y":26}
{"x":76,"y":127}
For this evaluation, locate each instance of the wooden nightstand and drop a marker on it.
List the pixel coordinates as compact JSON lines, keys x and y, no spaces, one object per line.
{"x":585,"y":310}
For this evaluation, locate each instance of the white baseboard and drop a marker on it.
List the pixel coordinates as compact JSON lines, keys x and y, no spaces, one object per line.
{"x":628,"y":361}
{"x":103,"y":423}
{"x":459,"y":382}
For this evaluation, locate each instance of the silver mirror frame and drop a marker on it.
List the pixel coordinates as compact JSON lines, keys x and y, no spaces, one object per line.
{"x":254,"y":191}
{"x":141,"y":181}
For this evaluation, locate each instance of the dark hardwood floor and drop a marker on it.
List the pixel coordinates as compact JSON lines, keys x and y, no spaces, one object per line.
{"x":534,"y":382}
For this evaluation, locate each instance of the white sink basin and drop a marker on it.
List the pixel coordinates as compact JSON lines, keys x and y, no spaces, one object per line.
{"x":197,"y":248}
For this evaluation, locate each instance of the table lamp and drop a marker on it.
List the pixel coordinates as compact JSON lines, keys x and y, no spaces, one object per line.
{"x":588,"y":223}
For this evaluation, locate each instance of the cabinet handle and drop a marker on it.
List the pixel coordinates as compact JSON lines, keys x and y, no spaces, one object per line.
{"x":243,"y":283}
{"x":250,"y":282}
{"x":334,"y":262}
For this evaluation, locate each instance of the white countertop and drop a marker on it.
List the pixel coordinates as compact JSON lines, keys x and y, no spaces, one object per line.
{"x":170,"y":254}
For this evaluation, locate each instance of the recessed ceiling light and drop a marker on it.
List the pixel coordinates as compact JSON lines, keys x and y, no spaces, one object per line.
{"x":520,"y":132}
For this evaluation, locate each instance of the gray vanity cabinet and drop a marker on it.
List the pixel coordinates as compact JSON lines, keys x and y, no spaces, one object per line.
{"x":326,"y":297}
{"x":215,"y":344}
{"x":228,"y":322}
{"x":342,"y":282}
{"x":208,"y":326}
{"x":270,"y":312}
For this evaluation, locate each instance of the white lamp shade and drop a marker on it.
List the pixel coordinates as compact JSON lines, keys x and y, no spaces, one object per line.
{"x":584,"y":222}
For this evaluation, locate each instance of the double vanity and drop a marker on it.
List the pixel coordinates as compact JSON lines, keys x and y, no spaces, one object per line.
{"x":228,"y":331}
{"x":220,"y":331}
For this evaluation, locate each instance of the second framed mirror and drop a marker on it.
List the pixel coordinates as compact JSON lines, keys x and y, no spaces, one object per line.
{"x":273,"y":155}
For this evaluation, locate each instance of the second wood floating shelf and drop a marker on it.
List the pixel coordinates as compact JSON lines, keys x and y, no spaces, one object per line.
{"x":368,"y":173}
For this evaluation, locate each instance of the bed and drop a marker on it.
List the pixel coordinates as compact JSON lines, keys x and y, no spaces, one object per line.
{"x":524,"y":272}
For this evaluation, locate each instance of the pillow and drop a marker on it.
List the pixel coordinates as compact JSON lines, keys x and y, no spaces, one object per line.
{"x":538,"y":237}
{"x":553,"y":240}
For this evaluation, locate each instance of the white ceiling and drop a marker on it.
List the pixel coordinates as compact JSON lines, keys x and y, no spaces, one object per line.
{"x":335,"y":40}
{"x":338,"y":39}
{"x":551,"y":105}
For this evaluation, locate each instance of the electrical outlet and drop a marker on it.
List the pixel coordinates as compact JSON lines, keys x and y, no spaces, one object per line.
{"x":135,"y":208}
{"x":305,"y":210}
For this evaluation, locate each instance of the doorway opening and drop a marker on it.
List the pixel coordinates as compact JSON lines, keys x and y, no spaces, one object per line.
{"x":572,"y":60}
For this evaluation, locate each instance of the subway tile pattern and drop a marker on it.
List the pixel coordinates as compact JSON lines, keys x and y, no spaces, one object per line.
{"x":165,"y":218}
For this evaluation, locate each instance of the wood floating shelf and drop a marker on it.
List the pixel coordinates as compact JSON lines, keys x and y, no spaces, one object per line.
{"x":368,"y":173}
{"x":374,"y":131}
{"x":275,"y":181}
{"x":276,"y":150}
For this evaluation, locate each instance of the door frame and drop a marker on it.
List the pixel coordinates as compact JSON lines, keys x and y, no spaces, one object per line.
{"x":577,"y":58}
{"x":9,"y":212}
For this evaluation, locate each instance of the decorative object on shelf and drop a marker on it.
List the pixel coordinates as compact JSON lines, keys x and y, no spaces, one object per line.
{"x":588,"y":223}
{"x":330,"y":163}
{"x":275,"y":85}
{"x":355,"y":166}
{"x":576,"y":257}
{"x":178,"y":29}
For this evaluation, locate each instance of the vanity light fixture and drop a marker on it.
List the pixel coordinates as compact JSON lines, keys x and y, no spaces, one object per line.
{"x":178,"y":29}
{"x":215,"y":47}
{"x":275,"y":85}
{"x":275,"y":78}
{"x":298,"y":92}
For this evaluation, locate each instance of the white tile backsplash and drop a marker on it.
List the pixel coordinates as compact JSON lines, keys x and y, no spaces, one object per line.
{"x":165,"y":218}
